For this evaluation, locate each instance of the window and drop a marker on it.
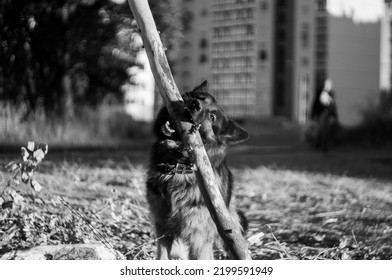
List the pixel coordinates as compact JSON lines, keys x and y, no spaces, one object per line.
{"x":280,"y":93}
{"x":214,"y":64}
{"x":249,"y":13}
{"x":217,"y":32}
{"x":321,"y":5}
{"x":282,"y":17}
{"x":263,"y":5}
{"x":226,"y":31}
{"x":248,"y":78}
{"x":240,"y":14}
{"x":281,"y":59}
{"x":203,"y":58}
{"x":227,"y":15}
{"x":203,"y":43}
{"x":187,"y":19}
{"x":281,"y":34}
{"x":238,"y":46}
{"x":305,"y":35}
{"x":248,"y":62}
{"x":249,"y":29}
{"x":263,"y":55}
{"x":249,"y":46}
{"x":226,"y":63}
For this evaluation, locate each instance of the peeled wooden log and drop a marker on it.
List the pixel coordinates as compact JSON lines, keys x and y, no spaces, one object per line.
{"x":229,"y":232}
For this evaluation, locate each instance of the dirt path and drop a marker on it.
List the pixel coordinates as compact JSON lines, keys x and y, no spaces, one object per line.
{"x":357,"y":162}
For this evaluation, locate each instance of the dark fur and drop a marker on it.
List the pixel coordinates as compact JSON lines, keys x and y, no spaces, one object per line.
{"x":183,"y":225}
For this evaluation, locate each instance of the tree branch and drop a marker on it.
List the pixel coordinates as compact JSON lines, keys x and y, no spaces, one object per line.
{"x":231,"y":235}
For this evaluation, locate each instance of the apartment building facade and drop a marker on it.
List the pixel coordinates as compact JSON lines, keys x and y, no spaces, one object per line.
{"x":259,"y":56}
{"x":386,"y":50}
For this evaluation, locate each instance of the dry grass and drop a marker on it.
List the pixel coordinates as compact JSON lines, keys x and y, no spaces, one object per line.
{"x":317,"y":216}
{"x":88,"y":127}
{"x":292,"y":214}
{"x":109,"y":199}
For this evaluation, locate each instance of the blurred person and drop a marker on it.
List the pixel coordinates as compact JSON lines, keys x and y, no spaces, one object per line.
{"x":324,"y":114}
{"x":325,"y":99}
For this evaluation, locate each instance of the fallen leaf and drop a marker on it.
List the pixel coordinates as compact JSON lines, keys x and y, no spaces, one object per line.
{"x":25,"y":177}
{"x":25,"y":154}
{"x":30,"y":146}
{"x":346,"y":256}
{"x":35,"y":185}
{"x":256,"y":238}
{"x":343,"y":244}
{"x":115,"y":217}
{"x":39,"y":155}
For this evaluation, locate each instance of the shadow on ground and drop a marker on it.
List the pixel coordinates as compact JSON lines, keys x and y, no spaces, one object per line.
{"x":281,"y":145}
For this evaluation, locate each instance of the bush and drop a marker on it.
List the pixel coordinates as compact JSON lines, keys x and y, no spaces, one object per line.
{"x":122,"y":126}
{"x":376,"y":126}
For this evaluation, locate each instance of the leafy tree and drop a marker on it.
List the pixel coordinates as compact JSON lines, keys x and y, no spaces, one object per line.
{"x":58,"y":53}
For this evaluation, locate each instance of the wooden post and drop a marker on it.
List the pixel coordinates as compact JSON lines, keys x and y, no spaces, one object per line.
{"x":230,"y":234}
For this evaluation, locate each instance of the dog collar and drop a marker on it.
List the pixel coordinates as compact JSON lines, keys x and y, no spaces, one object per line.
{"x":178,"y":168}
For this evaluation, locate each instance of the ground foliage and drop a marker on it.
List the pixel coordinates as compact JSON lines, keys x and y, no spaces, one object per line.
{"x":292,"y":214}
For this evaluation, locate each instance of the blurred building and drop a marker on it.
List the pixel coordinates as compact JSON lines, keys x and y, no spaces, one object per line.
{"x":268,"y":57}
{"x":354,"y":65}
{"x":386,"y":50}
{"x":258,"y":55}
{"x":321,"y":43}
{"x":358,"y":55}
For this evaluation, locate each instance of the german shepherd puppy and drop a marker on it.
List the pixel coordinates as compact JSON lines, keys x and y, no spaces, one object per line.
{"x":184,"y":227}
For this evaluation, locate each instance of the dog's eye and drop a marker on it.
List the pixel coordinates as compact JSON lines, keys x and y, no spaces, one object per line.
{"x":212,"y":117}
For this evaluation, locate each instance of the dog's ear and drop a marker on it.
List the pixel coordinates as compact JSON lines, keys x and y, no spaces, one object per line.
{"x":234,"y":134}
{"x":203,"y":87}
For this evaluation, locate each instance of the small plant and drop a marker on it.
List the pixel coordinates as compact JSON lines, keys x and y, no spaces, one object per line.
{"x":26,"y":228}
{"x":23,"y":171}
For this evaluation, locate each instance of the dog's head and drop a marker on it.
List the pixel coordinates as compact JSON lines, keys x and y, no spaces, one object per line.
{"x":215,"y":126}
{"x":202,"y":108}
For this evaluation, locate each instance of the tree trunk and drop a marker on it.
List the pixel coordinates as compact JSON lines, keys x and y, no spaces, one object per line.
{"x":67,"y":104}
